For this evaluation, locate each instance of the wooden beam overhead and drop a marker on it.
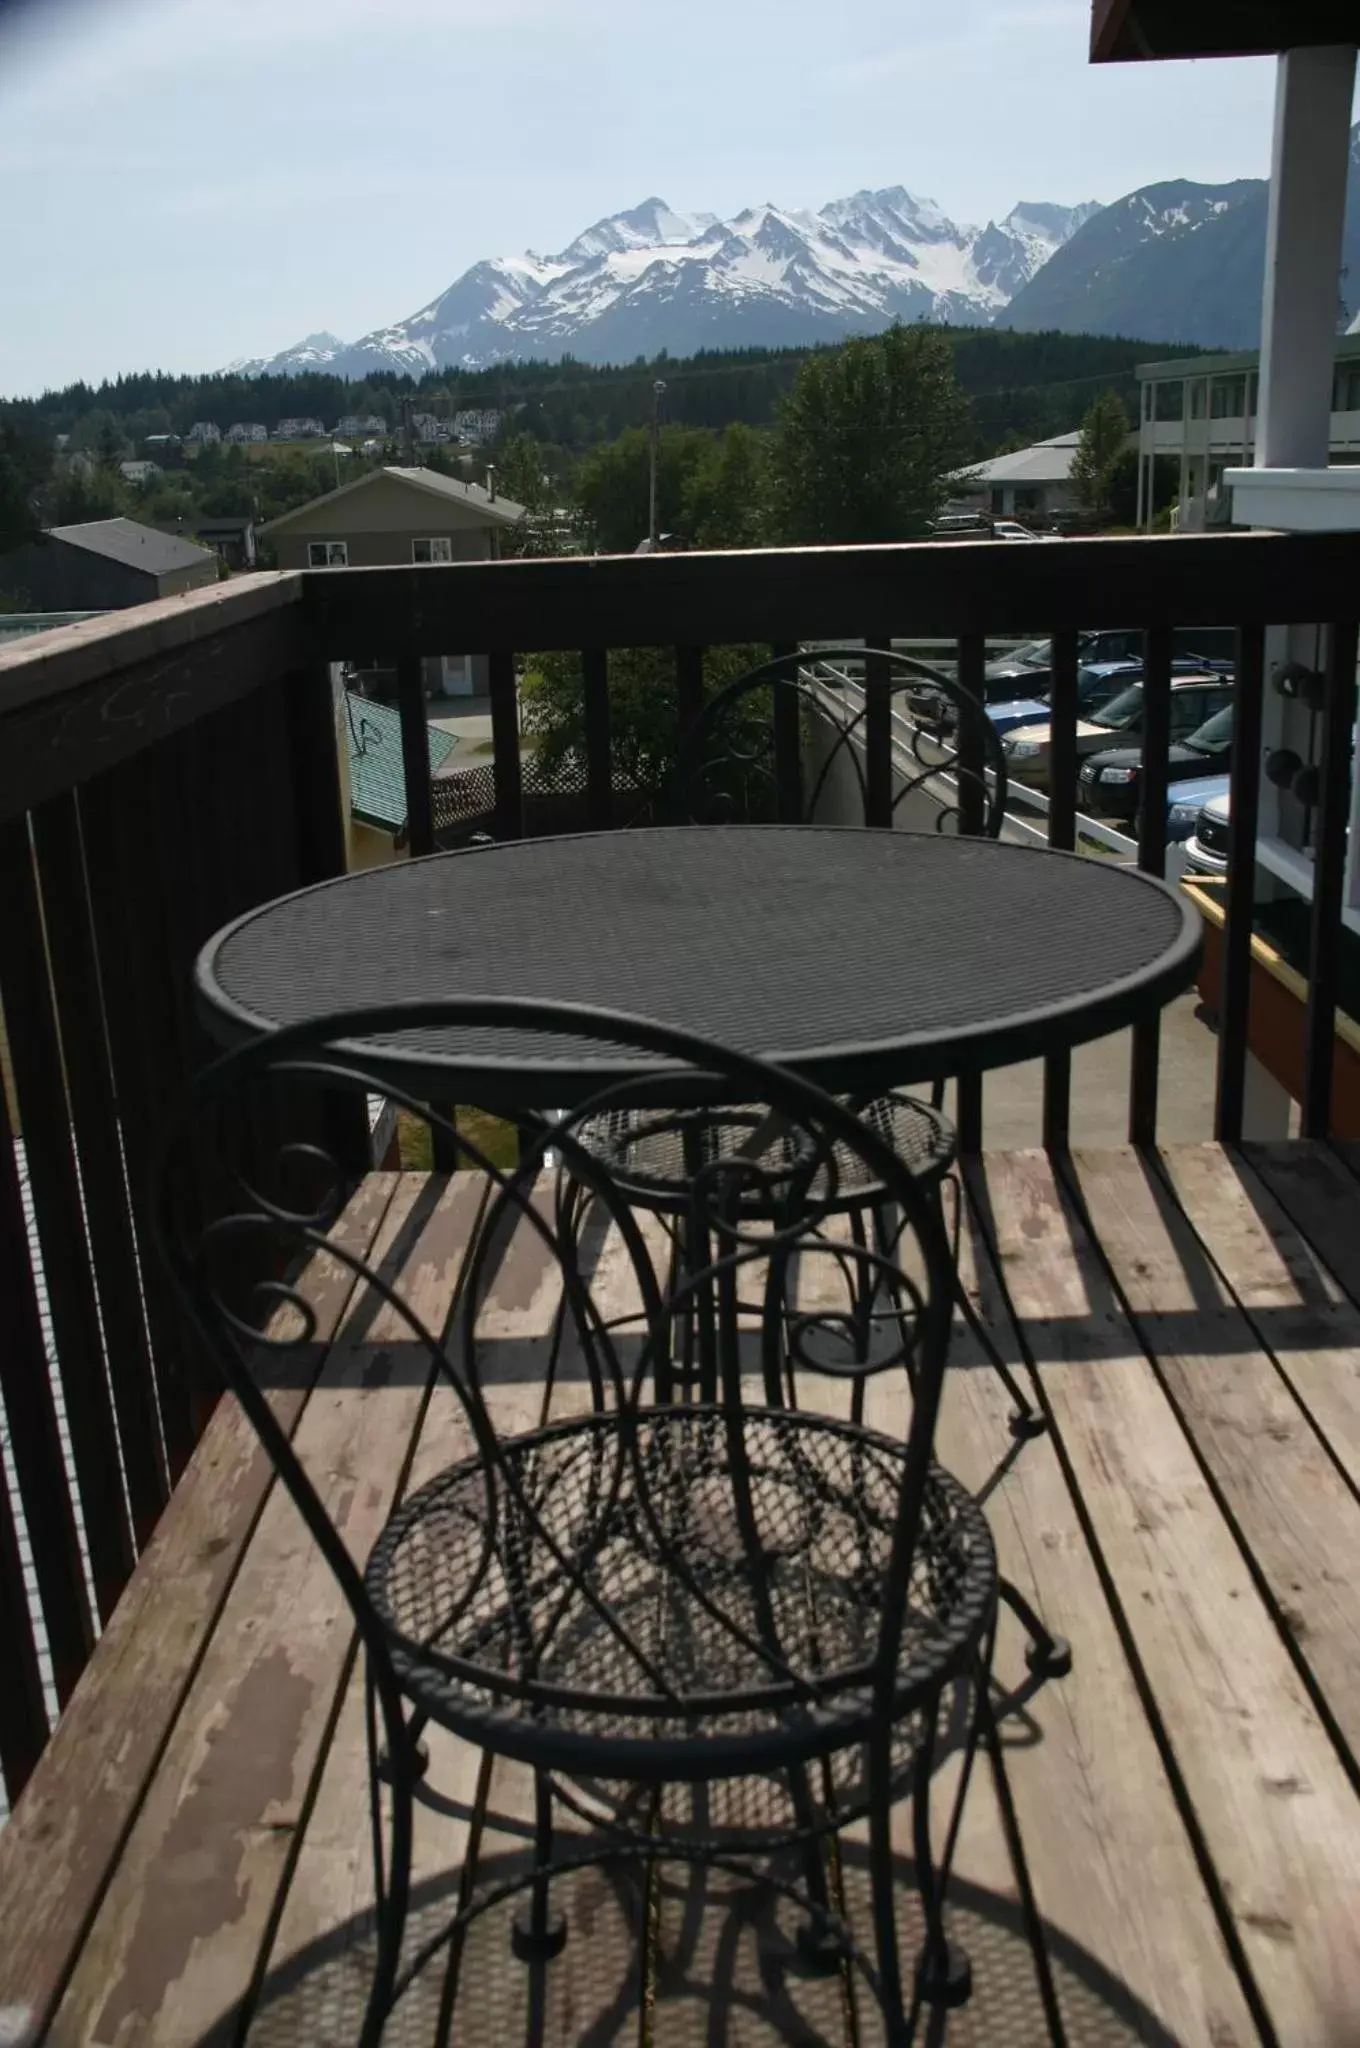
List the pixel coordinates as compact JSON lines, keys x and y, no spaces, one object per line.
{"x":1127,"y":31}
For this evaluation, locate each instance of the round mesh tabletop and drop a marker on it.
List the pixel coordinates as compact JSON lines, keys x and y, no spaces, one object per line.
{"x":862,"y":959}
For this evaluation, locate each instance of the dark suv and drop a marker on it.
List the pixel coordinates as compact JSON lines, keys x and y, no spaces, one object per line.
{"x":1112,"y":780}
{"x":1028,"y":670}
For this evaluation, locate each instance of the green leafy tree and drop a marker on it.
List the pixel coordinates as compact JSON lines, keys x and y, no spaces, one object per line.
{"x":79,"y":498}
{"x":613,"y":485}
{"x":868,"y":439}
{"x":23,"y":470}
{"x":644,"y":732}
{"x":1101,"y":445}
{"x":725,"y":492}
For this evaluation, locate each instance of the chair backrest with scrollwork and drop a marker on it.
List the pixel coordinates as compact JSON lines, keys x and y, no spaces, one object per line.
{"x":811,"y":732}
{"x":237,"y":1280}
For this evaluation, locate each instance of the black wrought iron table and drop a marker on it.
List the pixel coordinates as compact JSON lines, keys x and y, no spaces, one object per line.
{"x":863,"y":960}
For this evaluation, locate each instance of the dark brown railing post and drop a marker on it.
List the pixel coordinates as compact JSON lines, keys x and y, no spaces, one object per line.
{"x":415,"y":755}
{"x":1329,"y":874}
{"x":1062,"y":834}
{"x":1234,"y":989}
{"x":1147,"y":1036}
{"x":508,"y":779}
{"x":972,"y":663}
{"x":599,"y":765}
{"x":788,"y":746}
{"x":878,"y":759}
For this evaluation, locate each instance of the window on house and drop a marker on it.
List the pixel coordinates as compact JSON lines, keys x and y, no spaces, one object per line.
{"x":1170,"y":401}
{"x":1346,"y":397}
{"x":1148,"y":390}
{"x":1197,"y":399}
{"x":437,"y":550}
{"x":1229,"y":398}
{"x":327,"y":554}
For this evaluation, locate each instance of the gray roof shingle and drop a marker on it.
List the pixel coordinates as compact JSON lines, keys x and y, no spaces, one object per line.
{"x":136,"y":546}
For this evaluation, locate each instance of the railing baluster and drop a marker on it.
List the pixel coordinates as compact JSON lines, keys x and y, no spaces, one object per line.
{"x":1147,"y":1037}
{"x":1234,"y":994}
{"x":23,"y":1716}
{"x":972,"y":662}
{"x":1329,"y":868}
{"x":89,"y":1081}
{"x":415,"y":754}
{"x":788,"y":746}
{"x":45,"y":1113}
{"x":878,"y":765}
{"x":121,"y":866}
{"x":35,"y":1440}
{"x":1062,"y":834}
{"x":506,"y":771}
{"x":599,"y":766}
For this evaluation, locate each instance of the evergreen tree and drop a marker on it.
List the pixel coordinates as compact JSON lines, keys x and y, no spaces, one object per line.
{"x":1100,"y":445}
{"x":868,"y":439}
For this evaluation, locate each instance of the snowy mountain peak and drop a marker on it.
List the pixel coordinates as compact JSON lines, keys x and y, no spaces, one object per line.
{"x":651,"y":278}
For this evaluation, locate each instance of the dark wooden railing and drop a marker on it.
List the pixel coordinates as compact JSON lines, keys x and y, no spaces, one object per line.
{"x":162,"y":771}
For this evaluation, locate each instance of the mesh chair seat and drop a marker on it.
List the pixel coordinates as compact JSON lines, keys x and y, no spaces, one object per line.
{"x":651,"y":1154}
{"x":591,"y":1603}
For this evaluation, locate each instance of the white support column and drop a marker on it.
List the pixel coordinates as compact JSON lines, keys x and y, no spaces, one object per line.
{"x":1313,"y":93}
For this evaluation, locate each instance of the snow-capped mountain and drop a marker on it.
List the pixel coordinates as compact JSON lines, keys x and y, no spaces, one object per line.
{"x":652,"y":278}
{"x":1175,"y":262}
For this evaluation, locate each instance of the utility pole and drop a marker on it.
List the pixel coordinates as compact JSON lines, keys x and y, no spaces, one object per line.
{"x":658,"y":393}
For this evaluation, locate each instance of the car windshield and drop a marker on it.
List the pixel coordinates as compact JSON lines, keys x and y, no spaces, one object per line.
{"x":1215,"y":735}
{"x":1034,"y":654}
{"x":1095,"y":686}
{"x":1120,"y":710}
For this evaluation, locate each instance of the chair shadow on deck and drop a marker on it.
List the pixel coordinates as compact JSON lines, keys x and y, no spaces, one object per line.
{"x":725,"y":1972}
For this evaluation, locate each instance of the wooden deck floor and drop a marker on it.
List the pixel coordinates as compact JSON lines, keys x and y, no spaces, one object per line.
{"x":190,"y":1863}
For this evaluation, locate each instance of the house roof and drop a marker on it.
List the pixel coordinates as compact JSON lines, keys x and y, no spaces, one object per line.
{"x":430,"y":482}
{"x":134,"y":545}
{"x":377,"y":779}
{"x":1047,"y":462}
{"x":1346,"y":346}
{"x":237,"y":522}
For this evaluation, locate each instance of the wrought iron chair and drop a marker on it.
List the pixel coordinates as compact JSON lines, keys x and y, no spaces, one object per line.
{"x":653,"y":1592}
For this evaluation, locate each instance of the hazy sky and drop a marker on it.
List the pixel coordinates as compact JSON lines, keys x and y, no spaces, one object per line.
{"x":187,"y":181}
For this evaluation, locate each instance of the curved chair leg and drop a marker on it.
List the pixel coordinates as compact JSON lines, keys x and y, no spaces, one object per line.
{"x":944,"y":1975}
{"x":538,"y":1932}
{"x":898,"y":2025}
{"x":392,"y":1766}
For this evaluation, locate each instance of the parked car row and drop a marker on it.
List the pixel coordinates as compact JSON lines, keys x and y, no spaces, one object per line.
{"x":1196,"y":697}
{"x":1027,"y":671}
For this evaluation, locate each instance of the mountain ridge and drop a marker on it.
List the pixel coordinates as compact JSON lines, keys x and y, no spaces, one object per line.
{"x":651,"y":277}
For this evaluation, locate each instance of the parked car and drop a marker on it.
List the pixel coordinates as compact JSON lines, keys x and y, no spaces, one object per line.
{"x":1193,"y":698}
{"x":1011,"y":529}
{"x":1097,"y":683}
{"x":1112,"y":780}
{"x":1206,"y":850}
{"x":1187,"y":800}
{"x":1030,"y":667}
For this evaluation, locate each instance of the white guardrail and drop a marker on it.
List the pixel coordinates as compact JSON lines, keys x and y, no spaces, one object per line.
{"x":1026,"y":809}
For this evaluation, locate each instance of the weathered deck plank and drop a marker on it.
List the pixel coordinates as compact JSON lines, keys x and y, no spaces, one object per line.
{"x":1092,"y":1799}
{"x":1277,"y":1814}
{"x":1300,"y":1313}
{"x":1292,"y":1510}
{"x":175,"y":1942}
{"x":239,"y":1851}
{"x":63,"y":1840}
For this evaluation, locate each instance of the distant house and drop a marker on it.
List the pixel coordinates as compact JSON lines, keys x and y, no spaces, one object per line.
{"x":473,"y":426}
{"x":430,"y":429}
{"x":307,"y":429}
{"x":377,"y":779}
{"x":203,"y":434}
{"x":140,"y":473}
{"x":243,"y":431}
{"x":103,"y":565}
{"x":357,"y":424}
{"x":231,"y":539}
{"x":159,"y":443}
{"x":393,"y":516}
{"x":1033,"y":480}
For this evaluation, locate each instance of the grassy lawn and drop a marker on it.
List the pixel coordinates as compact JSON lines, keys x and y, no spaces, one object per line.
{"x":497,"y":1139}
